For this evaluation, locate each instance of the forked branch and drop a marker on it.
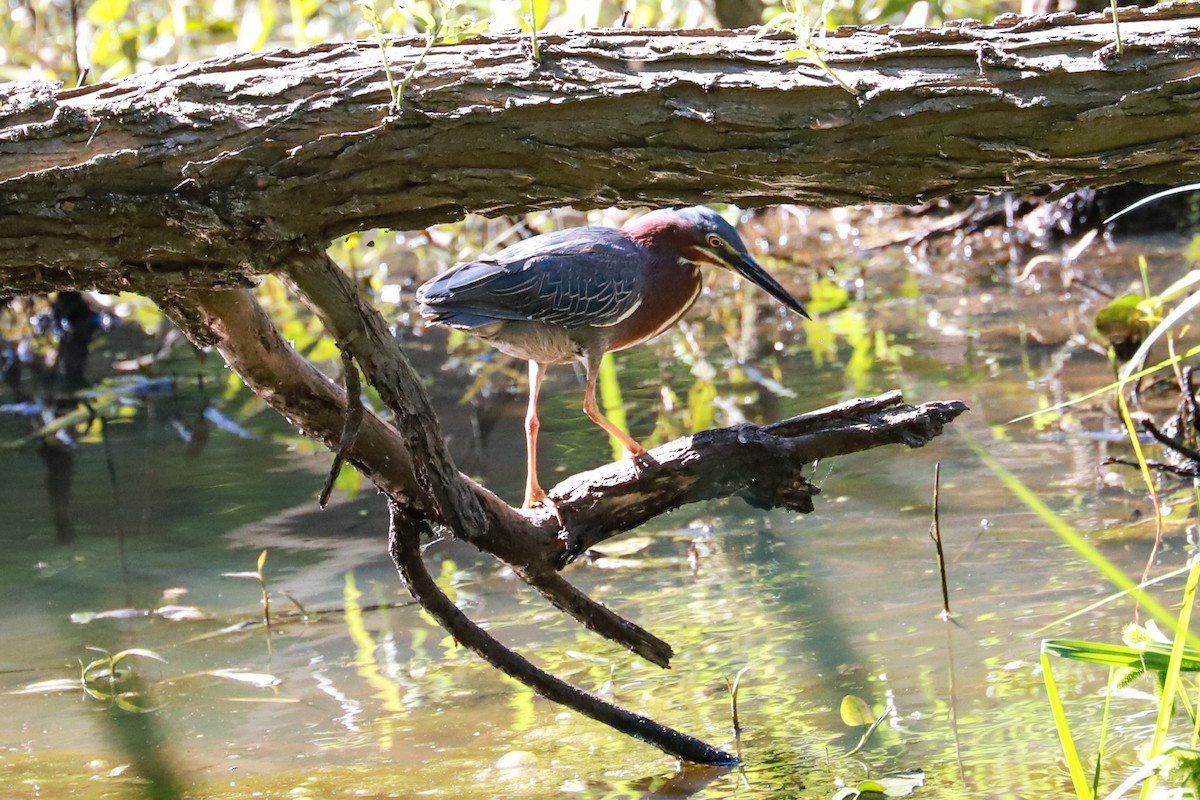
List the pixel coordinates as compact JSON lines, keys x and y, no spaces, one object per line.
{"x":409,"y":463}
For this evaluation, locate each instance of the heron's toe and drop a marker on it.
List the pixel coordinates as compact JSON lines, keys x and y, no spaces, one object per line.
{"x":534,"y":499}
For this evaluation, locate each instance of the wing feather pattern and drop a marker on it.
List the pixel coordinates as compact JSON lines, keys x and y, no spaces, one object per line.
{"x":589,"y":277}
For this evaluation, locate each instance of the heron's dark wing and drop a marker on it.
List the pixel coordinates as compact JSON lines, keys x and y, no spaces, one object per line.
{"x":574,"y":278}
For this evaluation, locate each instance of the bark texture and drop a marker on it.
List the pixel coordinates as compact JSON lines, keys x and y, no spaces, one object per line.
{"x":205,"y":173}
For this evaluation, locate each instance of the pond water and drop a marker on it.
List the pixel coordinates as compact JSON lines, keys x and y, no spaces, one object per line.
{"x":366,"y":697}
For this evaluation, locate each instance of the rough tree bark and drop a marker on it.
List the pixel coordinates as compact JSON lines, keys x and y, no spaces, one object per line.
{"x":204,"y":172}
{"x":184,"y":182}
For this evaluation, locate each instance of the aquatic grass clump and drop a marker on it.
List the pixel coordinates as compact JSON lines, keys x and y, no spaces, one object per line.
{"x":1167,"y":661}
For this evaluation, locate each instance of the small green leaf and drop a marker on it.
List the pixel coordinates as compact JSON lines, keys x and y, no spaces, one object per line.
{"x":855,"y":711}
{"x":422,"y":15}
{"x":1120,"y":320}
{"x":140,"y":652}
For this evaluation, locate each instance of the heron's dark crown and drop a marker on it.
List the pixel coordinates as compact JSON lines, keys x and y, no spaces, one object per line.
{"x":694,"y":223}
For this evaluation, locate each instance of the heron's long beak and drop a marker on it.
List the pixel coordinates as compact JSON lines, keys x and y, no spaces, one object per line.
{"x":748,"y":267}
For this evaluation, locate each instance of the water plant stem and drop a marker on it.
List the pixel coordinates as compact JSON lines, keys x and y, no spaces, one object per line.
{"x":1076,"y":540}
{"x":266,"y":595}
{"x":733,"y":698}
{"x":1079,"y":780}
{"x":935,"y":533}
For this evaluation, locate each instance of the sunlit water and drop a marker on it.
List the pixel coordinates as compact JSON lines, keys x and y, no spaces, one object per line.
{"x":359,"y":701}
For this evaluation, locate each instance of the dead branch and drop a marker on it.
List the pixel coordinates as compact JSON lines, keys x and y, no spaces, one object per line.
{"x":762,"y":464}
{"x":404,"y":545}
{"x":234,"y":323}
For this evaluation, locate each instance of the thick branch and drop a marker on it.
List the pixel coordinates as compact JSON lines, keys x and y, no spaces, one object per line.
{"x":404,"y":543}
{"x":762,"y":465}
{"x":204,"y":173}
{"x":364,"y":333}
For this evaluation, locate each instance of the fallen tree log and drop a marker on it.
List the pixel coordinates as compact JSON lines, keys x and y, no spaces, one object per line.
{"x":204,"y":173}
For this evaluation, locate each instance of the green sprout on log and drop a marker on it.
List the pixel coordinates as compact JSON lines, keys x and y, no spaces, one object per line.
{"x":810,"y":35}
{"x":1117,"y":29}
{"x":539,"y":13}
{"x":441,"y":26}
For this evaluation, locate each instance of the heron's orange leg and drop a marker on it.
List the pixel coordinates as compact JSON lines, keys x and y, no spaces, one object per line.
{"x":593,"y":411}
{"x":533,"y":490}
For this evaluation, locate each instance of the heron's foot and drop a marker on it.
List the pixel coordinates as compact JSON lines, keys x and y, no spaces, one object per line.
{"x":534,"y":497}
{"x":539,"y":499}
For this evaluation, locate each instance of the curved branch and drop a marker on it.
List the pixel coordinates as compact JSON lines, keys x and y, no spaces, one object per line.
{"x":404,"y":545}
{"x":764,"y":465}
{"x":362,"y":332}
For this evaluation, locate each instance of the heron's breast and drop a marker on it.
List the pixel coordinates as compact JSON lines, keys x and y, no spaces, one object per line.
{"x":668,"y":294}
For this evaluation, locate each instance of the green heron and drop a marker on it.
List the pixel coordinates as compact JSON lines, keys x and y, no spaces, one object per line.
{"x":575,"y":294}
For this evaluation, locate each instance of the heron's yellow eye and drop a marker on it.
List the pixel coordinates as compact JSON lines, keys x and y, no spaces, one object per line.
{"x":715,"y":241}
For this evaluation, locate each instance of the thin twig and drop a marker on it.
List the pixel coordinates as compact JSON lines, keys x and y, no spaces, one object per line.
{"x":354,"y":418}
{"x":1166,"y":441}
